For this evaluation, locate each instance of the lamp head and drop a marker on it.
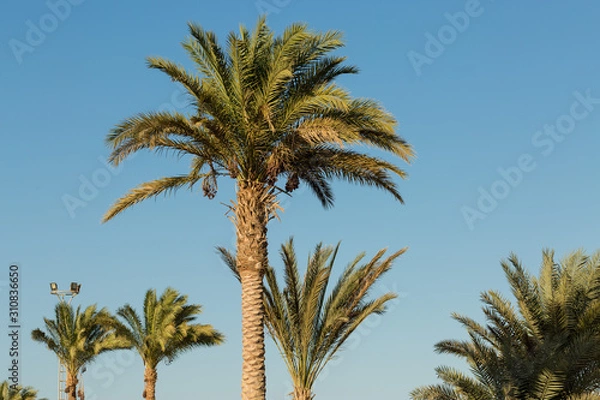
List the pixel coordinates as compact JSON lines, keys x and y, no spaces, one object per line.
{"x":53,"y":287}
{"x":75,"y":287}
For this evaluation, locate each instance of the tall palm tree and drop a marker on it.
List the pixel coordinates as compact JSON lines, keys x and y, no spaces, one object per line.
{"x":78,"y":338}
{"x":265,"y":109}
{"x":18,"y":393}
{"x":548,"y":347}
{"x":165,"y":331}
{"x":309,"y":325}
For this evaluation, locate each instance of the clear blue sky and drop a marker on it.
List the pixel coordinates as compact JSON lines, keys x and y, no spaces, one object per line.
{"x":475,"y":103}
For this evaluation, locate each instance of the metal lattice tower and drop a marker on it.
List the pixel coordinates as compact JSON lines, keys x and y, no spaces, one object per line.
{"x":62,"y":381}
{"x":62,"y":369}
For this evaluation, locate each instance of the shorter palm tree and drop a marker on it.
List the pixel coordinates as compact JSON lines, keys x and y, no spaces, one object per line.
{"x":78,"y":338}
{"x":547,"y":347}
{"x":7,"y":392}
{"x":308,"y":325}
{"x":167,"y":330}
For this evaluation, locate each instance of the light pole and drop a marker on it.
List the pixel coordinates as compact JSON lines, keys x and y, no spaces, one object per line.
{"x":62,"y":370}
{"x":61,"y":294}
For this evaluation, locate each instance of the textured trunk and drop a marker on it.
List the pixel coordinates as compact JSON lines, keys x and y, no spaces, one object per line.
{"x":302,"y":394}
{"x":251,"y":217}
{"x":71,"y":387}
{"x":150,"y":376}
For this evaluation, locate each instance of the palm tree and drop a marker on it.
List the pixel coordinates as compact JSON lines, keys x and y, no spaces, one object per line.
{"x":308,"y":325}
{"x":17,"y":393}
{"x":548,"y":347}
{"x":265,"y":109}
{"x":166,"y":331}
{"x":78,"y":337}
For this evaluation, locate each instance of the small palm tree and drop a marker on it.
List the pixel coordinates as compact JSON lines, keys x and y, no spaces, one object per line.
{"x":309,"y":325}
{"x":547,"y":348}
{"x":267,"y":113}
{"x":18,"y":393}
{"x":166,"y":331}
{"x":78,"y":338}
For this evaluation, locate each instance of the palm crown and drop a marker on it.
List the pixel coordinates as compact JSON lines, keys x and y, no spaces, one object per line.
{"x":165,"y":330}
{"x":77,"y":337}
{"x":547,"y":348}
{"x":18,"y":393}
{"x":264,"y":109}
{"x":167,"y":327}
{"x":310,"y":325}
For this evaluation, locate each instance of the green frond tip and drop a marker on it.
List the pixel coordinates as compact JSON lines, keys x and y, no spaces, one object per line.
{"x":229,"y":260}
{"x":147,"y":190}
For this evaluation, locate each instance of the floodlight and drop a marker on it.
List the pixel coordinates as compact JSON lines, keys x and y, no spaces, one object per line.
{"x":75,"y":287}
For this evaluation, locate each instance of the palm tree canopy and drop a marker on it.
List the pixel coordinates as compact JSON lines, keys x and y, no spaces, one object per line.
{"x":18,"y":393}
{"x":77,"y":337}
{"x":166,"y":328}
{"x":547,"y":347}
{"x":308,"y":324}
{"x":265,"y":108}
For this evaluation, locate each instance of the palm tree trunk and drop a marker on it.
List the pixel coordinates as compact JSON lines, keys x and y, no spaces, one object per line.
{"x":302,"y":394}
{"x":251,"y":217}
{"x":71,"y":385}
{"x":150,"y":377}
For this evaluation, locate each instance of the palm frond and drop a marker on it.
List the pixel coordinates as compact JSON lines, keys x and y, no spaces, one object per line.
{"x":308,"y":327}
{"x":148,"y":190}
{"x":545,"y":347}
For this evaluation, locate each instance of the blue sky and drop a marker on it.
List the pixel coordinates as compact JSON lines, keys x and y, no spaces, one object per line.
{"x":503,"y":110}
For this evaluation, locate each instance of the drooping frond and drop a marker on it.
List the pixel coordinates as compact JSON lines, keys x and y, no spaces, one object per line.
{"x":150,"y":189}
